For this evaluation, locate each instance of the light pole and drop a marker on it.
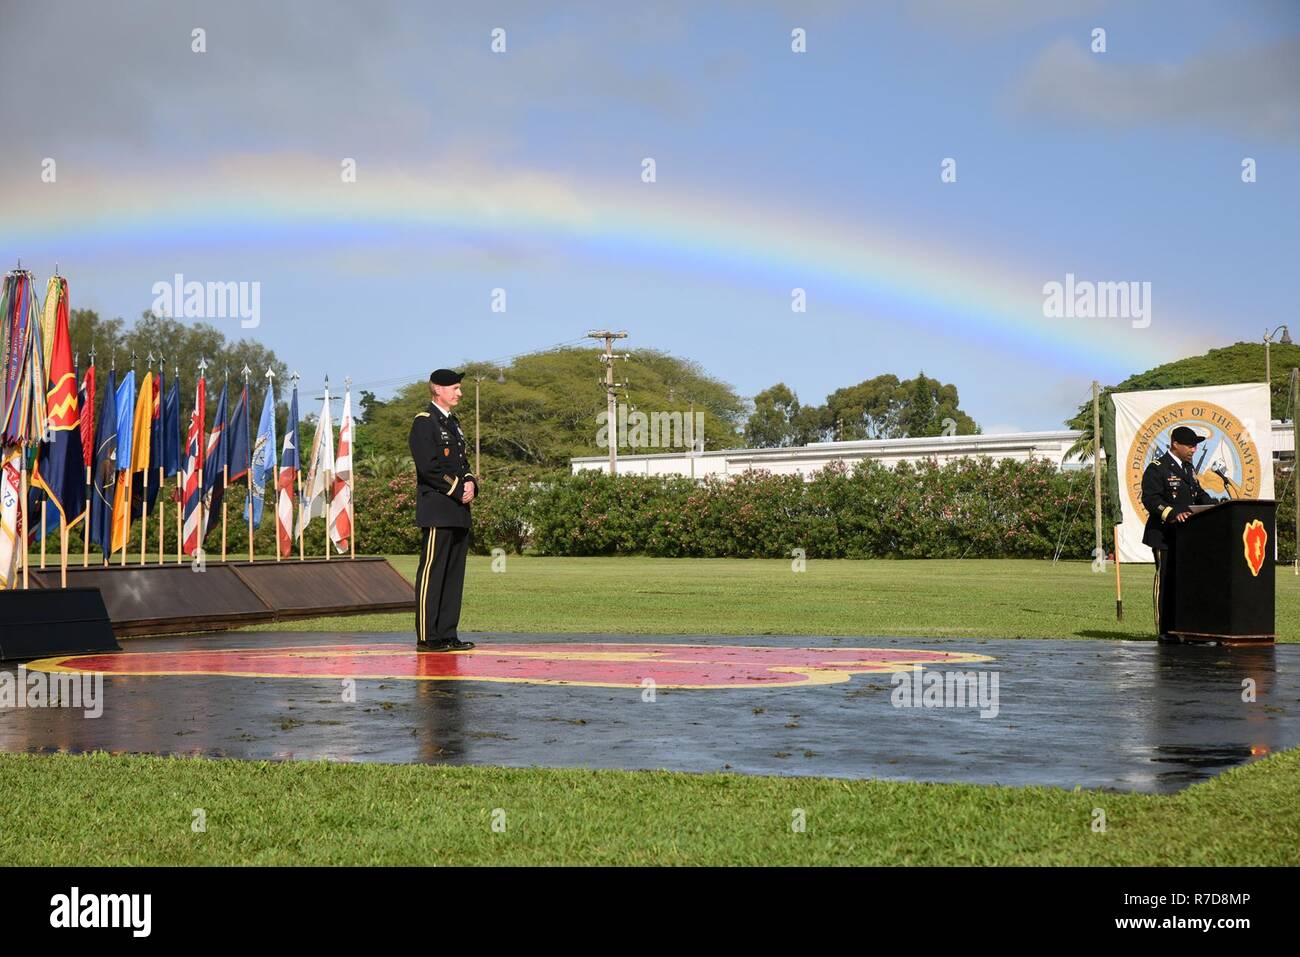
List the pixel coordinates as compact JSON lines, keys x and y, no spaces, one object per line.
{"x":1268,"y":367}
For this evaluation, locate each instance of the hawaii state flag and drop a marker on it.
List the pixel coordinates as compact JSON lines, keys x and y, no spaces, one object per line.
{"x":286,"y":483}
{"x":214,"y":481}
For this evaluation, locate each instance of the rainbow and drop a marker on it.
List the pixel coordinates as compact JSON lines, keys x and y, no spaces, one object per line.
{"x":301,"y":202}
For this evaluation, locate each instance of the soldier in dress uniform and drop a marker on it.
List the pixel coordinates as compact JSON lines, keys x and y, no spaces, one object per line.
{"x":1169,"y":489}
{"x":445,"y":488}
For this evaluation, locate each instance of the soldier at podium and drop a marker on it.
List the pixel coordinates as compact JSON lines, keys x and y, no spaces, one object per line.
{"x":1169,"y":489}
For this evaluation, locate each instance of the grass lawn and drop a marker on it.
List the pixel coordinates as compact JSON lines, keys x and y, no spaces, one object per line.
{"x":700,"y":596}
{"x":98,"y":810}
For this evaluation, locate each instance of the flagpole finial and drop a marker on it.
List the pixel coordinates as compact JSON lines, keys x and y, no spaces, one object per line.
{"x":132,"y":360}
{"x":203,"y":365}
{"x":270,"y":374}
{"x":150,"y":360}
{"x":113,"y":367}
{"x":347,"y":382}
{"x":295,"y":376}
{"x":246,"y":370}
{"x":92,"y":352}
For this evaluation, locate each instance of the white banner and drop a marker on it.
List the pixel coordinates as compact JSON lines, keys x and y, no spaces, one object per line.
{"x":1237,"y":424}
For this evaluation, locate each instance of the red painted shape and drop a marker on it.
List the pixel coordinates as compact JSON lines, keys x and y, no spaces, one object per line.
{"x":620,"y":665}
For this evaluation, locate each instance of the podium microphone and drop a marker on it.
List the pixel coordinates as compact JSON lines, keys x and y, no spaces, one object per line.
{"x":1228,"y":484}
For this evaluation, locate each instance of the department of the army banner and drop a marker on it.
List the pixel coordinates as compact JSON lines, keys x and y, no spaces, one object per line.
{"x":1238,"y":428}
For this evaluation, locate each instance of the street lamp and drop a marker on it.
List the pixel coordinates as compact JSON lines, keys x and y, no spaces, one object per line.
{"x":1268,"y":367}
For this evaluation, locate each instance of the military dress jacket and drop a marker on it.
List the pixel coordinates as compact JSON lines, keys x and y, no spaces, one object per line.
{"x":442,"y":469}
{"x":1168,"y":488}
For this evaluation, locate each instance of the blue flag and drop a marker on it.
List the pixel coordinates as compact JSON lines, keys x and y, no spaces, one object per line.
{"x":125,"y":418}
{"x":171,"y":430}
{"x":105,"y":470}
{"x":237,"y":451}
{"x":263,"y":466}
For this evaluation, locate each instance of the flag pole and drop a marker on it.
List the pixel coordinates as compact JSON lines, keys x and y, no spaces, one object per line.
{"x":42,"y":533}
{"x":22,"y":504}
{"x":274,"y":470}
{"x":248,"y":475}
{"x":126,"y":538}
{"x":352,"y":471}
{"x":225,"y":466}
{"x":162,"y":442}
{"x":144,"y":474}
{"x":85,"y":521}
{"x":180,"y":484}
{"x":330,"y":441}
{"x":201,"y":456}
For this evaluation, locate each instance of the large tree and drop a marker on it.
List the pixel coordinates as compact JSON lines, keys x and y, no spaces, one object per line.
{"x":1242,"y":362}
{"x":181,"y":344}
{"x":884,"y":407}
{"x":541,"y":409}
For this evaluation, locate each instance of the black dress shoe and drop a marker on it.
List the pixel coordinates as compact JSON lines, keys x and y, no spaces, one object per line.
{"x":457,"y":645}
{"x":431,"y":646}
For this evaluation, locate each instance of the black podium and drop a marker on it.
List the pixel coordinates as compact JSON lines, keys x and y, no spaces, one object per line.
{"x":1221,"y":563}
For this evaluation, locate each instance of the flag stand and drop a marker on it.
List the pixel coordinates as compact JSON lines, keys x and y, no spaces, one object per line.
{"x":1119,"y":591}
{"x":162,"y":504}
{"x":21,"y":541}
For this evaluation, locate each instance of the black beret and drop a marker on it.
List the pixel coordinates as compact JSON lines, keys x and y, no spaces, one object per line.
{"x":445,"y":377}
{"x":1185,"y":436}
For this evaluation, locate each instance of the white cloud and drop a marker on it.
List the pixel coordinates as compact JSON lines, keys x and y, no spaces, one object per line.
{"x":1251,"y":92}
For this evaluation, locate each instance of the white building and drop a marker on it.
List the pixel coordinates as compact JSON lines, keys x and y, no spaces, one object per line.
{"x":806,"y":459}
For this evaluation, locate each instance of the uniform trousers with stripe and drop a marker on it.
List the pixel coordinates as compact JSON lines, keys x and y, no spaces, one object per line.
{"x":1162,"y":590}
{"x":439,"y":581}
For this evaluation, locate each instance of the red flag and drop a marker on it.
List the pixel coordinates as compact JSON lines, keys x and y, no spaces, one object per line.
{"x":87,"y":402}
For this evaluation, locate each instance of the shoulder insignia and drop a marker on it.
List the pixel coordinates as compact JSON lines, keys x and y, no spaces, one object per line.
{"x":421,"y":414}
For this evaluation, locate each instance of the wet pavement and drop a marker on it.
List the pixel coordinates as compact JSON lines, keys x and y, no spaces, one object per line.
{"x":1125,"y":715}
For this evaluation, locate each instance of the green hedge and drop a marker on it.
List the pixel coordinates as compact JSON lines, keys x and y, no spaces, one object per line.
{"x":971,"y":508}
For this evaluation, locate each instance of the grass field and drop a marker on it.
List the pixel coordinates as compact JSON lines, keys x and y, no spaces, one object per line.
{"x":98,"y":810}
{"x":693,"y":596}
{"x":101,"y":809}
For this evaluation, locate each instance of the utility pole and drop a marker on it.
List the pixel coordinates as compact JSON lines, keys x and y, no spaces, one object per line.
{"x":1295,"y":458}
{"x":1096,"y":473}
{"x":478,"y":381}
{"x":608,"y":358}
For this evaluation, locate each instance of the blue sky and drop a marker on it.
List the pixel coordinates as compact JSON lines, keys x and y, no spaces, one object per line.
{"x":522,"y":171}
